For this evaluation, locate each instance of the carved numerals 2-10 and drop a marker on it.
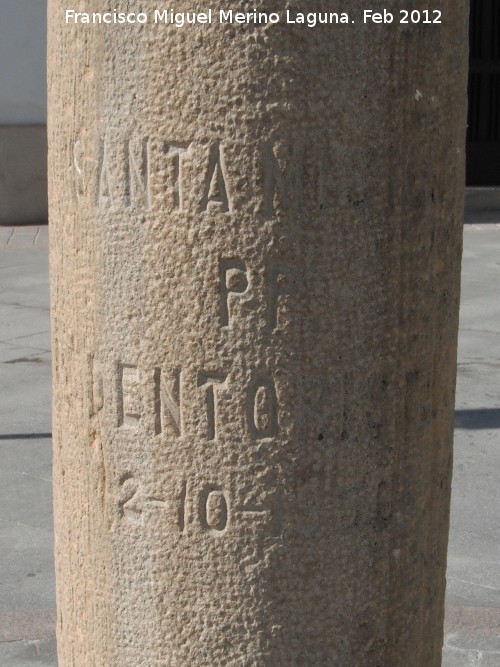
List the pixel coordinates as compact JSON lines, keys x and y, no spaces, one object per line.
{"x":213,"y":509}
{"x":209,"y":508}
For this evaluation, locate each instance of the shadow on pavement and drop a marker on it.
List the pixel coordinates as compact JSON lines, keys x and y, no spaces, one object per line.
{"x":25,"y":436}
{"x":484,"y":418}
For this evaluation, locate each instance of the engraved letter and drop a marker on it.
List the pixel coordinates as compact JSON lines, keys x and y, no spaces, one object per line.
{"x":129,"y":397}
{"x":233,"y":280}
{"x":176,"y":151}
{"x":104,"y":194}
{"x":289,"y":187}
{"x":214,"y":510}
{"x":130,"y":503}
{"x":215,"y":194}
{"x":272,"y":510}
{"x":80,"y":179}
{"x":168,"y":397}
{"x":137,"y":175}
{"x":210,"y":381}
{"x":262,"y":409}
{"x":283,"y":283}
{"x":182,"y":507}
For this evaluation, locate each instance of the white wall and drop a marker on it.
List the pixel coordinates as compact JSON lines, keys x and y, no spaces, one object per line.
{"x":23,"y":27}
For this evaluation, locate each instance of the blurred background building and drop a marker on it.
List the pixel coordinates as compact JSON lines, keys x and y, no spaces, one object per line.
{"x":23,"y":111}
{"x":483,"y":132}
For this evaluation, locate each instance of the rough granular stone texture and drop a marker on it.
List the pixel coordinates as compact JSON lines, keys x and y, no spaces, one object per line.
{"x":255,"y":248}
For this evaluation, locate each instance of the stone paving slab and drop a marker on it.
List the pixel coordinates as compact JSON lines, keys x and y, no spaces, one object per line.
{"x":26,"y":237}
{"x":26,"y":406}
{"x":478,"y":621}
{"x":30,"y":653}
{"x":21,"y":626}
{"x":27,"y":582}
{"x":465,"y":651}
{"x":473,"y":594}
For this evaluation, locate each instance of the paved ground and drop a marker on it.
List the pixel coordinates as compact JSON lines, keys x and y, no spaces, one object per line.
{"x":473,"y":627}
{"x":26,"y":567}
{"x":26,"y":543}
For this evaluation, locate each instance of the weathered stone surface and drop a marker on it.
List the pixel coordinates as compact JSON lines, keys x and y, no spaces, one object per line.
{"x":256,"y":239}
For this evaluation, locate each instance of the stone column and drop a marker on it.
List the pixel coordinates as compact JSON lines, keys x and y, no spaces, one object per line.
{"x":256,"y":241}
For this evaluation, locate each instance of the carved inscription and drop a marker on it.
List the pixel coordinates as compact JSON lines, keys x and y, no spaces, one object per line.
{"x":130,"y":406}
{"x":168,"y":406}
{"x":177,"y":151}
{"x":207,"y":508}
{"x":130,"y":502}
{"x":78,"y":153}
{"x":211,"y":505}
{"x":214,"y":509}
{"x":182,"y":511}
{"x":269,"y":512}
{"x":215,"y":194}
{"x":130,"y":173}
{"x":134,"y":171}
{"x":137,"y":174}
{"x":210,"y":382}
{"x":285,"y":183}
{"x":104,"y":187}
{"x":234,"y":281}
{"x":167,"y":389}
{"x":262,"y":409}
{"x":122,"y":174}
{"x":133,"y":501}
{"x":283,"y":282}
